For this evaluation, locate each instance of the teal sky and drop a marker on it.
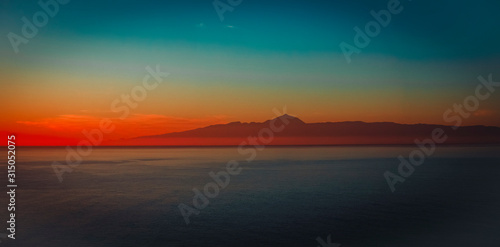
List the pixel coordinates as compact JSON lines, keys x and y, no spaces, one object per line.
{"x":190,"y":32}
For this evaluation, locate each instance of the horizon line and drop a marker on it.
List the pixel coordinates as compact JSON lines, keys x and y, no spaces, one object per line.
{"x":291,"y":145}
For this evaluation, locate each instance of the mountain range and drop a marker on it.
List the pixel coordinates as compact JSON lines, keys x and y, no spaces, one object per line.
{"x":289,"y":130}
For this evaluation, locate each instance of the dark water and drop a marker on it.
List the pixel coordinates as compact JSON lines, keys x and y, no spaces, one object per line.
{"x":285,"y":197}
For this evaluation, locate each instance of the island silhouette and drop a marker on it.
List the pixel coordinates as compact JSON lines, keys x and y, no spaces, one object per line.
{"x":290,"y":130}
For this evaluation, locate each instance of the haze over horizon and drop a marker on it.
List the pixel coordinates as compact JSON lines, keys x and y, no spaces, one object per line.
{"x":292,"y":132}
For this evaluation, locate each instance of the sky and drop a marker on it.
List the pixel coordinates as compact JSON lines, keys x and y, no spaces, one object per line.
{"x":263,"y":55}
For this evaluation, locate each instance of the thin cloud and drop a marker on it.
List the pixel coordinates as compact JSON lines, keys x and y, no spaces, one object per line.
{"x":484,"y":113}
{"x":134,"y":125}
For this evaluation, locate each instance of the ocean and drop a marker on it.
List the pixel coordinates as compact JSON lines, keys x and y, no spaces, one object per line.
{"x":285,"y":196}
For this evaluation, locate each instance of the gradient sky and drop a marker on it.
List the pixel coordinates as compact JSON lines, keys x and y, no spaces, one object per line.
{"x":264,"y":55}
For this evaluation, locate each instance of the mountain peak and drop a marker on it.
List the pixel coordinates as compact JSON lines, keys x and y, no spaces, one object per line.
{"x":291,"y":119}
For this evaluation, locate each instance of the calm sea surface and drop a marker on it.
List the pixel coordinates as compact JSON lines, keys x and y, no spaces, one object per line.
{"x":284,"y":197}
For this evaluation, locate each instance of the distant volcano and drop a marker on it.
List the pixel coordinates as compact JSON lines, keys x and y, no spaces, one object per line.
{"x":297,"y":132}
